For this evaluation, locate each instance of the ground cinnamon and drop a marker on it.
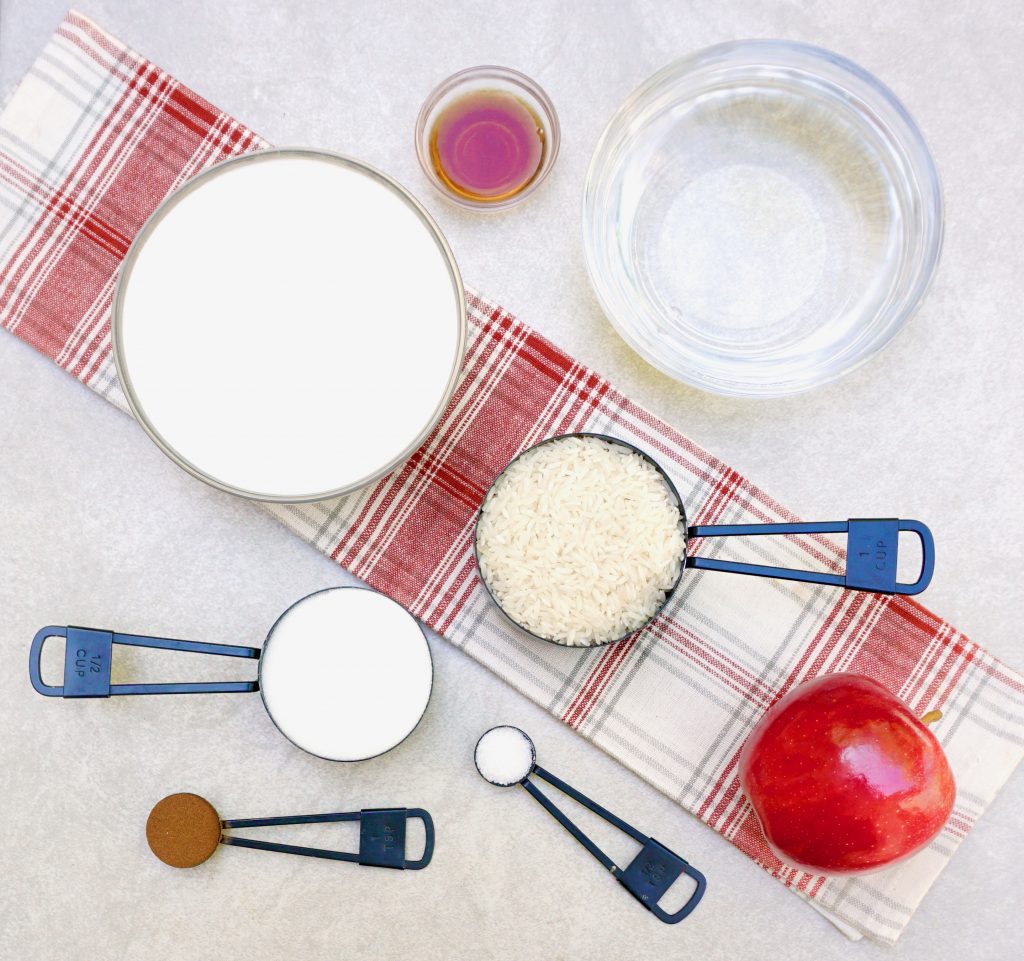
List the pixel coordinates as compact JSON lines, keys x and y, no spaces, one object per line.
{"x":183,"y":830}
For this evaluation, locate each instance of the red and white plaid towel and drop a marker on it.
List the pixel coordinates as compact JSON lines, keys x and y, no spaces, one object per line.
{"x":96,"y":136}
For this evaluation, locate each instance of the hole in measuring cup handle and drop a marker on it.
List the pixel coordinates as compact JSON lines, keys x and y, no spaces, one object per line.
{"x":652,"y":872}
{"x":87,"y":657}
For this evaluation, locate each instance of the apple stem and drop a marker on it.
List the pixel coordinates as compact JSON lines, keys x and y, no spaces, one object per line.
{"x":931,"y":717}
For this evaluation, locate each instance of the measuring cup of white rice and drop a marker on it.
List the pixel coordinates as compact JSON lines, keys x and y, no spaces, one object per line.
{"x":582,"y":539}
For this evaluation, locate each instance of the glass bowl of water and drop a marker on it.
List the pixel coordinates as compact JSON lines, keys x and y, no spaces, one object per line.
{"x":761,"y":218}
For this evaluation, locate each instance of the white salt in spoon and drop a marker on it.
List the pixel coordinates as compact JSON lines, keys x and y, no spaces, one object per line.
{"x":505,"y":756}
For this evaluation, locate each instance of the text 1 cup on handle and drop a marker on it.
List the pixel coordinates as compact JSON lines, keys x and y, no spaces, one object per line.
{"x":88,"y":656}
{"x":871,"y":553}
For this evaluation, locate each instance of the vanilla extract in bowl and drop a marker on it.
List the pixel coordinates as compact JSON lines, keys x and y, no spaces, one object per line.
{"x":487,"y":137}
{"x":487,"y":145}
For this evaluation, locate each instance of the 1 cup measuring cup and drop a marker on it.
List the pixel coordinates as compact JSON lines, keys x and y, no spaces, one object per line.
{"x":871,"y":555}
{"x":345,"y":673}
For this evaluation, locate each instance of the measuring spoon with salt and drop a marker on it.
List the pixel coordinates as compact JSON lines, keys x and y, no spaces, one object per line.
{"x":505,"y":756}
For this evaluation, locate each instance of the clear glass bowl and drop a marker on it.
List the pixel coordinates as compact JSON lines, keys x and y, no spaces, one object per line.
{"x":761,"y":218}
{"x":475,"y":79}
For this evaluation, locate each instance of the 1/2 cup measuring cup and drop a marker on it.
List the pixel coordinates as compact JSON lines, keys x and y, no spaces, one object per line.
{"x":871,"y":555}
{"x":345,"y":673}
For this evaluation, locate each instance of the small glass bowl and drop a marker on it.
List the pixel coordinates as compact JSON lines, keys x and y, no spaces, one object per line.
{"x":488,"y":78}
{"x":761,"y":218}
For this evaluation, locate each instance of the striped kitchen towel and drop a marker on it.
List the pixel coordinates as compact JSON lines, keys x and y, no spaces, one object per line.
{"x":96,"y":136}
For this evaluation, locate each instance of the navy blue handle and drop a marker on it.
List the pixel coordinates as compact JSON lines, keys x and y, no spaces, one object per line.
{"x":649,"y":875}
{"x":428,"y":839}
{"x":88,"y":654}
{"x":35,"y":656}
{"x":652,"y":872}
{"x":381,"y":837}
{"x":871,"y":553}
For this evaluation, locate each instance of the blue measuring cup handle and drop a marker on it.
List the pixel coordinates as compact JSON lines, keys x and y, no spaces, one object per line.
{"x":649,"y":875}
{"x":381,"y":837}
{"x":872,"y":550}
{"x":653,"y":871}
{"x":88,"y":654}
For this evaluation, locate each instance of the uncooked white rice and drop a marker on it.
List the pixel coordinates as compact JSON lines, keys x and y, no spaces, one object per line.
{"x":579,"y":540}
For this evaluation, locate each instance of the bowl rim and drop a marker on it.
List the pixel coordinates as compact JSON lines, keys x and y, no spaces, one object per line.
{"x":900,"y":129}
{"x":260,"y":156}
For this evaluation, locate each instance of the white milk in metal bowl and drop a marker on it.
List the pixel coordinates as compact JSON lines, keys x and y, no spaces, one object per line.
{"x":346,"y":674}
{"x":289,"y":325}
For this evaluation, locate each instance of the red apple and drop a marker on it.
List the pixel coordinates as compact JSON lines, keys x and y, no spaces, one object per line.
{"x":843,"y":778}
